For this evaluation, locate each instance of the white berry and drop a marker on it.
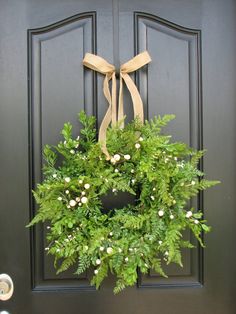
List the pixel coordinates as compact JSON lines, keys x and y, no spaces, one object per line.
{"x":54,"y":175}
{"x":72,"y":151}
{"x":161,"y":213}
{"x":80,"y":181}
{"x":132,"y":171}
{"x":116,"y":157}
{"x":98,"y":261}
{"x":113,"y":161}
{"x":101,"y":248}
{"x":111,"y":233}
{"x":172,"y":216}
{"x":109,"y":250}
{"x":196,"y":221}
{"x":152,"y":197}
{"x":127,"y":157}
{"x":72,"y":203}
{"x":67,"y":179}
{"x":116,"y":170}
{"x":84,"y":199}
{"x":83,"y":193}
{"x":193,"y":182}
{"x":59,"y":198}
{"x":126,"y":259}
{"x":77,"y":199}
{"x":67,"y":191}
{"x":95,"y":271}
{"x":189,"y":214}
{"x":87,"y":186}
{"x":140,"y":139}
{"x":119,"y":250}
{"x":160,"y":242}
{"x":114,"y":190}
{"x":137,"y":145}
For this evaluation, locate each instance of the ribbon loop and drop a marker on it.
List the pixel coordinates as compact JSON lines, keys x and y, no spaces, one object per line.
{"x":100,"y":65}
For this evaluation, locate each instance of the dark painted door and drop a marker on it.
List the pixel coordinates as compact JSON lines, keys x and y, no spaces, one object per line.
{"x":42,"y":84}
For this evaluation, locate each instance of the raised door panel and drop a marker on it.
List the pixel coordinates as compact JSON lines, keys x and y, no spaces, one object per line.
{"x":59,"y":88}
{"x":171,"y":84}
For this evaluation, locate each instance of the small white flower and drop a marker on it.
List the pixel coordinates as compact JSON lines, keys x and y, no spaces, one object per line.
{"x":95,"y":271}
{"x":152,"y":197}
{"x":98,"y":261}
{"x":119,"y":250}
{"x":154,"y":189}
{"x":127,"y":157}
{"x":189,"y":214}
{"x":109,"y":250}
{"x":87,"y":186}
{"x":72,"y":203}
{"x":114,"y":190}
{"x":160,"y":242}
{"x":126,"y":259}
{"x":140,"y":139}
{"x":161,"y":213}
{"x":83,"y":193}
{"x":72,"y":151}
{"x":172,"y":216}
{"x":67,"y":179}
{"x":116,"y":157}
{"x":116,"y":170}
{"x":84,"y":199}
{"x":67,"y":191}
{"x":77,"y":199}
{"x":86,"y":248}
{"x":111,"y":233}
{"x":59,"y":198}
{"x":196,"y":221}
{"x":193,"y":182}
{"x":113,"y":161}
{"x":137,"y":145}
{"x":132,"y":170}
{"x":54,"y":175}
{"x":101,"y":248}
{"x":80,"y":181}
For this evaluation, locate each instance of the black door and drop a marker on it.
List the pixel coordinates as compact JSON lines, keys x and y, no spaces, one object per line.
{"x":43,"y":84}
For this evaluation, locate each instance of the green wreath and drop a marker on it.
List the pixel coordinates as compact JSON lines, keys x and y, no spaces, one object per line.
{"x":162,"y":175}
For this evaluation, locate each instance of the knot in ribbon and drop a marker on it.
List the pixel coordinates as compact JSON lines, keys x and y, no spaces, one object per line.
{"x":100,"y":65}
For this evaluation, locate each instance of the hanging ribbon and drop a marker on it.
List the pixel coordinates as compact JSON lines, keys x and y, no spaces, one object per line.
{"x":99,"y":64}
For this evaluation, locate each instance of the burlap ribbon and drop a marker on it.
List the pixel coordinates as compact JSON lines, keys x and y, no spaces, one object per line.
{"x":98,"y":64}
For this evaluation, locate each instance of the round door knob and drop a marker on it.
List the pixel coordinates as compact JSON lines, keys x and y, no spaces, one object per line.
{"x":6,"y":287}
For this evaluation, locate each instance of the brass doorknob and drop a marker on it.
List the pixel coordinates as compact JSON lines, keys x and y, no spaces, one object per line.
{"x":6,"y":287}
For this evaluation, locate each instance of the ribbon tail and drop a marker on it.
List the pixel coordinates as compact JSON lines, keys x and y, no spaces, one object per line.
{"x":121,"y":104}
{"x":136,"y":98}
{"x":113,"y":101}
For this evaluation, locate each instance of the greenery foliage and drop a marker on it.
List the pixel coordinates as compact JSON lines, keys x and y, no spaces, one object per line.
{"x":161,"y":174}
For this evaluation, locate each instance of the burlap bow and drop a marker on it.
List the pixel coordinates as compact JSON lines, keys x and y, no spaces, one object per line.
{"x":98,"y":64}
